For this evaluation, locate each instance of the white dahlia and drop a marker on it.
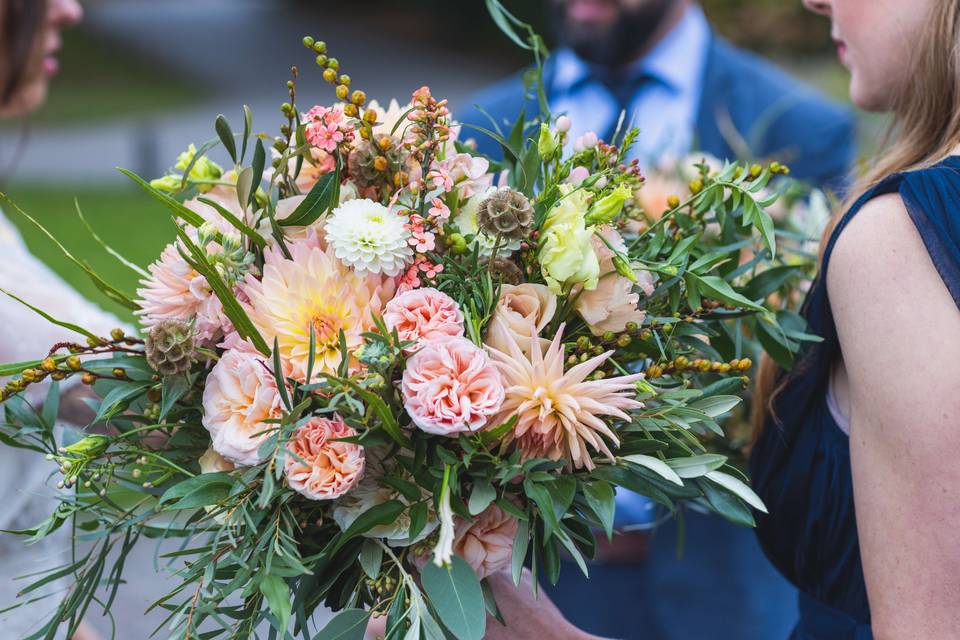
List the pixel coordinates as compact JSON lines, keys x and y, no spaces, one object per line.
{"x":369,"y":237}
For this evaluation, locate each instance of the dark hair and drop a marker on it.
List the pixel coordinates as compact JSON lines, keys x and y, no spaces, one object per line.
{"x":21,"y":19}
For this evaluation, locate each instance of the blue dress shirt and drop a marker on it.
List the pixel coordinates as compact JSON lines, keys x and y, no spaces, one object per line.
{"x":665,"y":107}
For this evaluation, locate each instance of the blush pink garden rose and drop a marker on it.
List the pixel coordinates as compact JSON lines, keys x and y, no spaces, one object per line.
{"x":613,"y":303}
{"x":323,"y":467}
{"x":450,"y":386}
{"x":240,"y":395}
{"x":522,"y":311}
{"x":423,"y":315}
{"x":486,"y":542}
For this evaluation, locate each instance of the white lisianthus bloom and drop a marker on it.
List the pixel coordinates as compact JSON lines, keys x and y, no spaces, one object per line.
{"x":368,"y":494}
{"x":368,"y":237}
{"x":467,"y":225}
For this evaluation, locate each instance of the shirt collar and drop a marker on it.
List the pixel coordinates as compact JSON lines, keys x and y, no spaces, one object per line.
{"x":677,"y":61}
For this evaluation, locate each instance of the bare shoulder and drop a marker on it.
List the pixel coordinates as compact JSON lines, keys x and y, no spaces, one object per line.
{"x":881,"y":256}
{"x":888,"y":300}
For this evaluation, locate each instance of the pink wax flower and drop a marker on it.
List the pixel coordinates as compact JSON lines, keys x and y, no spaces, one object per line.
{"x":450,"y":386}
{"x":439,"y":210}
{"x":423,"y":315}
{"x":322,"y":467}
{"x":325,"y":128}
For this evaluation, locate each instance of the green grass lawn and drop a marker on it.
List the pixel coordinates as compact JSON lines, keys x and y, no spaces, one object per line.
{"x":99,"y":81}
{"x":125,"y":218}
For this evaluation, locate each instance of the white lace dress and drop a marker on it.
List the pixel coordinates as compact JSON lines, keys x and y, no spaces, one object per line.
{"x":25,"y":477}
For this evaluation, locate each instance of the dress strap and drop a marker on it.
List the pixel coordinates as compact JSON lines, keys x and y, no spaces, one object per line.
{"x":932,"y":199}
{"x":819,"y":621}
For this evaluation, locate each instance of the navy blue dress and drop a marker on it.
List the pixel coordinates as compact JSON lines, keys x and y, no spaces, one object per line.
{"x":801,"y":463}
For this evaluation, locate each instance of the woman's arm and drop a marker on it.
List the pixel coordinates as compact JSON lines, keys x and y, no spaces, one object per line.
{"x":899,"y":331}
{"x":527,"y":618}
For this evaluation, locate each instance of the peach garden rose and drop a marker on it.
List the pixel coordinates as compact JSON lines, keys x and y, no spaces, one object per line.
{"x":323,"y":467}
{"x":450,"y":386}
{"x":423,"y":315}
{"x":522,"y":311}
{"x":486,"y":542}
{"x":241,"y":394}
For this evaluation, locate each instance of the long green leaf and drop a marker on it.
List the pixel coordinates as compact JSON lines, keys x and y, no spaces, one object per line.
{"x":226,"y":136}
{"x":235,"y":222}
{"x":106,"y":288}
{"x":321,"y":198}
{"x":231,"y":306}
{"x":46,"y":316}
{"x":127,"y":263}
{"x":176,"y":208}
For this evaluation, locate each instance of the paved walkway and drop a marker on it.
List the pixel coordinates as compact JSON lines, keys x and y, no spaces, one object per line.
{"x":243,"y":50}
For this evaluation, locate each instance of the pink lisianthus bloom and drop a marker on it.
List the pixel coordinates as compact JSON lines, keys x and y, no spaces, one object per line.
{"x":322,"y":467}
{"x":468,"y":173}
{"x":486,"y":542}
{"x":450,"y":386}
{"x":239,"y":397}
{"x":613,"y":303}
{"x":423,"y":315}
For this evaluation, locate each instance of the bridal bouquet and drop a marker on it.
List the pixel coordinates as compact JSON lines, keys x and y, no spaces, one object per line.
{"x":376,"y":367}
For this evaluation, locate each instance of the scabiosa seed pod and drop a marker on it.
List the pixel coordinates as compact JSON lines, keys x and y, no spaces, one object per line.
{"x":506,"y":213}
{"x":169,"y":347}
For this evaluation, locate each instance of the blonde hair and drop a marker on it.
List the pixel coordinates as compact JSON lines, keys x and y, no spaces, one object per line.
{"x":925,"y":130}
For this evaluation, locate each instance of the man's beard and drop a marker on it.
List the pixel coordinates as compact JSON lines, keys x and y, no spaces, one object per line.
{"x":618,"y":44}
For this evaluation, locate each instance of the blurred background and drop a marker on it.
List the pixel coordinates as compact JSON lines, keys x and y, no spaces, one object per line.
{"x":141,"y":79}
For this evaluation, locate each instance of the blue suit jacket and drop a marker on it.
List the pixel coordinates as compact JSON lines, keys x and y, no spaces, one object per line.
{"x":749,"y":110}
{"x":723,"y":587}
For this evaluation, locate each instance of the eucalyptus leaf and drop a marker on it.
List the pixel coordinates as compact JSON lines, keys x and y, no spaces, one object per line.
{"x":455,"y":593}
{"x":480,"y":498}
{"x":349,"y":624}
{"x":277,"y":593}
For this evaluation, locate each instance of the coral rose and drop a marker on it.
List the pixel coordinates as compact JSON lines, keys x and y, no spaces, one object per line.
{"x":240,"y":395}
{"x":486,"y":542}
{"x":423,"y":315}
{"x":450,"y":386}
{"x":323,"y":467}
{"x":522,"y":311}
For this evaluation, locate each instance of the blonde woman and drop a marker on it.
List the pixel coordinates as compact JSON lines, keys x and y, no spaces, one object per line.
{"x":856,"y":456}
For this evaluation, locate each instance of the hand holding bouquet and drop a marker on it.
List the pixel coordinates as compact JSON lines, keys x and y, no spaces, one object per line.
{"x":371,"y":353}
